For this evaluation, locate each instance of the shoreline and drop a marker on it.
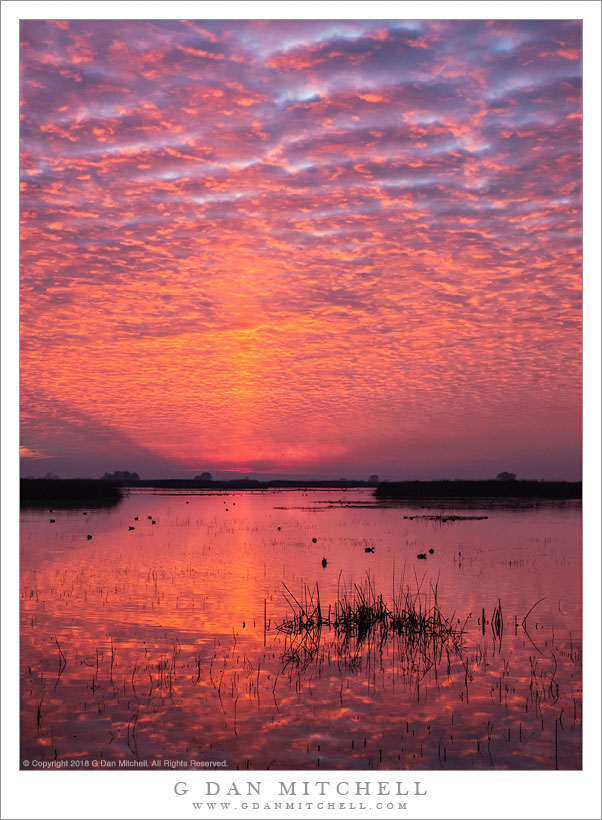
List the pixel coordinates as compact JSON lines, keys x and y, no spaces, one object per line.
{"x":76,"y":493}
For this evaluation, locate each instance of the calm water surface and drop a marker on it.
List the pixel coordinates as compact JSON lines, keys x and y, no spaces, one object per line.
{"x":162,"y":642}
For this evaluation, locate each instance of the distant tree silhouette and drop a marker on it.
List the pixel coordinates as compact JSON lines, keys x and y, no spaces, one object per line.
{"x":121,"y":475}
{"x":203,"y":477}
{"x":506,"y":476}
{"x":373,"y":479}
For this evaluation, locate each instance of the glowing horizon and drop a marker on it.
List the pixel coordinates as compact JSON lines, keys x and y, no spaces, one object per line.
{"x":301,"y":247}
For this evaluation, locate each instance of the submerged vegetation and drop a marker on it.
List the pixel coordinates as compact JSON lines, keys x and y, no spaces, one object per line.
{"x":495,"y":488}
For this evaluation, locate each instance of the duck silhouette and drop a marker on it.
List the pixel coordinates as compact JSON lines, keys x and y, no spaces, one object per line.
{"x":89,"y":537}
{"x":421,"y":555}
{"x":130,"y":528}
{"x":368,"y":549}
{"x":324,"y":562}
{"x":315,"y":540}
{"x":431,"y":551}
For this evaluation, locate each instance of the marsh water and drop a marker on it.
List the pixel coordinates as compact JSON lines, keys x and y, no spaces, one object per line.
{"x":160,"y":637}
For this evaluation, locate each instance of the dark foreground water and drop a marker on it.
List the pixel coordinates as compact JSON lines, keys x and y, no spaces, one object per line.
{"x":162,"y":641}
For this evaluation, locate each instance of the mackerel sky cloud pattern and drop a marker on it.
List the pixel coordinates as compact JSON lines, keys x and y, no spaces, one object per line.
{"x":301,"y":247}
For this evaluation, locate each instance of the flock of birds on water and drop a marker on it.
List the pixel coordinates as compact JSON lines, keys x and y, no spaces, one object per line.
{"x":421,"y":555}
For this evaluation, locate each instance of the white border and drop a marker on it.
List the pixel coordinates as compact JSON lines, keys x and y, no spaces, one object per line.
{"x":451,"y":794}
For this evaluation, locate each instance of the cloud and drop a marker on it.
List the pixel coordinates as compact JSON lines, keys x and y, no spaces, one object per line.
{"x":26,"y":452}
{"x":242,"y":239}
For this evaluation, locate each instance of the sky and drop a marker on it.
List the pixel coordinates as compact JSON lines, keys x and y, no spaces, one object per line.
{"x":310,"y":248}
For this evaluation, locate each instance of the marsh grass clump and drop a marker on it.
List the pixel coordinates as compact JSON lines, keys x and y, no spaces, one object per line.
{"x":411,"y":614}
{"x":362,"y":617}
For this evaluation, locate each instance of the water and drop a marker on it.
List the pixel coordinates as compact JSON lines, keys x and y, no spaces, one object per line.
{"x":161,"y":642}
